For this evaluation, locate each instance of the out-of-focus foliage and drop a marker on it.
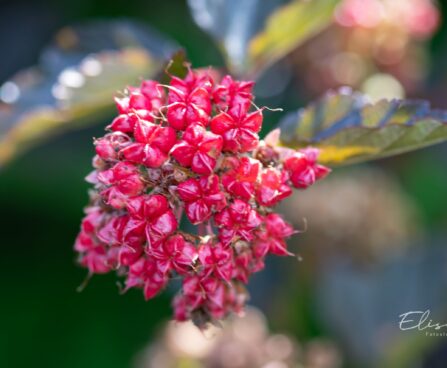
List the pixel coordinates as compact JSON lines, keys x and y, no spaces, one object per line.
{"x":76,"y":80}
{"x":249,"y":46}
{"x":80,"y":73}
{"x":371,"y":264}
{"x":348,"y":128}
{"x":413,"y":281}
{"x":286,"y":29}
{"x":370,"y":215}
{"x":378,"y":46}
{"x":241,"y":342}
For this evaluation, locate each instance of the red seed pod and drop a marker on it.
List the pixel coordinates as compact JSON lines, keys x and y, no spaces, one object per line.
{"x":237,"y":222}
{"x":216,"y":260}
{"x":239,"y":131}
{"x":241,"y":180}
{"x":190,"y":148}
{"x":272,"y":187}
{"x":202,"y":197}
{"x":198,"y":149}
{"x":303,"y":168}
{"x":233,"y":96}
{"x":189,"y":101}
{"x":175,"y":253}
{"x":152,"y":144}
{"x":122,"y":181}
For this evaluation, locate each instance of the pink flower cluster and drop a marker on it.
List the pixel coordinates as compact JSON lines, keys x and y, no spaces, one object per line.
{"x":190,"y":148}
{"x":420,"y":18}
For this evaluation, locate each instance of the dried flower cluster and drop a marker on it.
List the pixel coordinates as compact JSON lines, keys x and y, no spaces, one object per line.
{"x":190,"y":148}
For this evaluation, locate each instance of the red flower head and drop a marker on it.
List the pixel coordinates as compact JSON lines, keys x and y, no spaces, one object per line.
{"x":151,"y":213}
{"x":241,"y":179}
{"x":232,"y":96}
{"x":272,"y":188}
{"x":216,"y":259}
{"x":125,"y":123}
{"x":239,"y":132}
{"x":90,"y":223}
{"x":94,"y":255}
{"x":108,"y":146}
{"x":144,"y":101}
{"x":146,"y":274}
{"x":175,"y":253}
{"x":129,"y":244}
{"x":272,"y":237}
{"x":190,"y":148}
{"x":189,"y":101}
{"x":237,"y":222}
{"x":226,"y":299}
{"x":303,"y":168}
{"x":198,"y":149}
{"x":199,"y":288}
{"x":152,"y":144}
{"x":202,"y":197}
{"x":123,"y":181}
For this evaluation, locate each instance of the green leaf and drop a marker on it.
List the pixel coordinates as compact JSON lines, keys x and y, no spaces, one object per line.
{"x":76,"y":80}
{"x":349,"y":129}
{"x":177,"y":66}
{"x":286,"y":29}
{"x":254,"y":34}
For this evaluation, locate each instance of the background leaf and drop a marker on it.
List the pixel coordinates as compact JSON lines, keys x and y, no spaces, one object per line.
{"x":232,"y":24}
{"x":377,"y":296}
{"x":177,"y":66}
{"x":286,"y":29}
{"x":348,"y":129}
{"x":76,"y":79}
{"x":238,"y":25}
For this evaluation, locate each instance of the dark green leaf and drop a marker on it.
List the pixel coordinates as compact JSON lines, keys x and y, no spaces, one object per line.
{"x":177,"y":66}
{"x":348,"y":129}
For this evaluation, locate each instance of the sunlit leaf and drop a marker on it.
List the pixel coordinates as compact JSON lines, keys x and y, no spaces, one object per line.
{"x":348,"y":129}
{"x":286,"y":29}
{"x":238,"y":26}
{"x":75,"y":81}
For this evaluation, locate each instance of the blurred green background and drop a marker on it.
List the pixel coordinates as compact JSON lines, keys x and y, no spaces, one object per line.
{"x":44,"y":321}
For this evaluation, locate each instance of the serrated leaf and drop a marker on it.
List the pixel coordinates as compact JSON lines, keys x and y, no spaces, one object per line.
{"x":74,"y":84}
{"x":349,"y":129}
